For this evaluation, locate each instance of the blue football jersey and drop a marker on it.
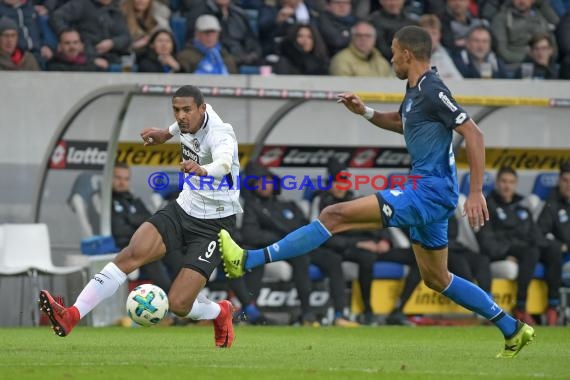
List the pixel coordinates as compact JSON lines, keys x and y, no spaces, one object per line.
{"x":429,"y":115}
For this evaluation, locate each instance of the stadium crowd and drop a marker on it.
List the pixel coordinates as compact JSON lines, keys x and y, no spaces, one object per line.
{"x":471,"y":38}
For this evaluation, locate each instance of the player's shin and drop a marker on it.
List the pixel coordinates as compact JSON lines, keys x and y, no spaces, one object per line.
{"x":297,"y":243}
{"x":103,"y":285}
{"x":473,"y":298}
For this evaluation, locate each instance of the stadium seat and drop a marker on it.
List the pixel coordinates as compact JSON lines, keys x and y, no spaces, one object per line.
{"x":26,"y":250}
{"x":488,"y":184}
{"x":544,"y":184}
{"x":539,"y":271}
{"x":315,"y":273}
{"x":388,"y":270}
{"x":85,"y":201}
{"x":249,"y":70}
{"x":178,"y":24}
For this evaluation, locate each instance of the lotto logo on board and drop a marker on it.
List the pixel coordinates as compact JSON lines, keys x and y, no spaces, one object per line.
{"x":57,"y":160}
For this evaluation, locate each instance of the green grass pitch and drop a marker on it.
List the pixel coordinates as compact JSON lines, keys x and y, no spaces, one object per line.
{"x":279,"y":353}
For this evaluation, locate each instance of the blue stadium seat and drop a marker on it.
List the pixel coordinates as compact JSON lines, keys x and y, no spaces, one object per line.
{"x":249,"y":70}
{"x":388,"y":270}
{"x":488,"y":184}
{"x":178,"y":26}
{"x":49,"y":36}
{"x":543,"y":185}
{"x":315,"y":273}
{"x":539,"y":271}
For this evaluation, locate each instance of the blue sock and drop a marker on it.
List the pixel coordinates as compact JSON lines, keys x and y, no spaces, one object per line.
{"x":297,"y":243}
{"x":473,"y":298}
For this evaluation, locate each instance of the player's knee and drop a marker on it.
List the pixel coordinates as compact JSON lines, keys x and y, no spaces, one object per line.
{"x":437,"y":282}
{"x":178,"y":305}
{"x":129,"y":259}
{"x":333,"y":217}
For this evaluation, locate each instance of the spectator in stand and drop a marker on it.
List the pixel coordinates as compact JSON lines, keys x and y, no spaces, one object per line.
{"x":440,"y":57}
{"x":540,"y":59}
{"x":387,"y":21}
{"x":361,"y":58}
{"x":511,"y":234}
{"x":237,"y":36}
{"x":22,"y":12}
{"x":101,"y":25}
{"x":205,"y":54}
{"x":514,"y":26}
{"x":302,"y":53}
{"x":335,"y":24}
{"x":477,"y":60}
{"x":71,"y":55}
{"x":456,"y":22}
{"x":158,"y":56}
{"x":11,"y":56}
{"x":267,"y":217}
{"x":554,"y":223}
{"x":563,"y":35}
{"x":489,"y":9}
{"x":143,"y":18}
{"x":276,"y":23}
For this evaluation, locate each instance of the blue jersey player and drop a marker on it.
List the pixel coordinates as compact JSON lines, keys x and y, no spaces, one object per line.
{"x":427,"y":118}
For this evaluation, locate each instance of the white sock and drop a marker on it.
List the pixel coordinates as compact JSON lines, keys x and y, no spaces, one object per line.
{"x":103,"y":285}
{"x":203,"y":308}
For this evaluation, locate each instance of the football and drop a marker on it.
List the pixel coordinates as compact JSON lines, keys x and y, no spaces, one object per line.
{"x":147,"y":304}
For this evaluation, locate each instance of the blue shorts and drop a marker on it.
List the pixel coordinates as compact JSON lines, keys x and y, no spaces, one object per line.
{"x":425,"y":209}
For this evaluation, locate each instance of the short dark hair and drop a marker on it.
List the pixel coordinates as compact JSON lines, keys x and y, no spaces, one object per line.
{"x":69,"y":30}
{"x":565,"y":167}
{"x":506,"y":170}
{"x":415,"y":39}
{"x":539,"y":37}
{"x":190,"y":91}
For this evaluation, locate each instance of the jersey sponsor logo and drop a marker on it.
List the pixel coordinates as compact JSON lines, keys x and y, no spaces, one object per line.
{"x":447,"y":102}
{"x":189,"y":154}
{"x":408,"y":106}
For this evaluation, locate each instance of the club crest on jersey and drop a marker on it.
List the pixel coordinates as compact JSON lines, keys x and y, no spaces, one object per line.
{"x":189,"y":154}
{"x":196,"y":145}
{"x":562,"y":216}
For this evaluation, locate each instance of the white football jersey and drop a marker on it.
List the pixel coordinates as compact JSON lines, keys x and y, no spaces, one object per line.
{"x":208,"y":197}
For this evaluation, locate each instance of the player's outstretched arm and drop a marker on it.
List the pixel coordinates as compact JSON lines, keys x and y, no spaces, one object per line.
{"x":390,"y":121}
{"x":155,"y":136}
{"x":475,"y":206}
